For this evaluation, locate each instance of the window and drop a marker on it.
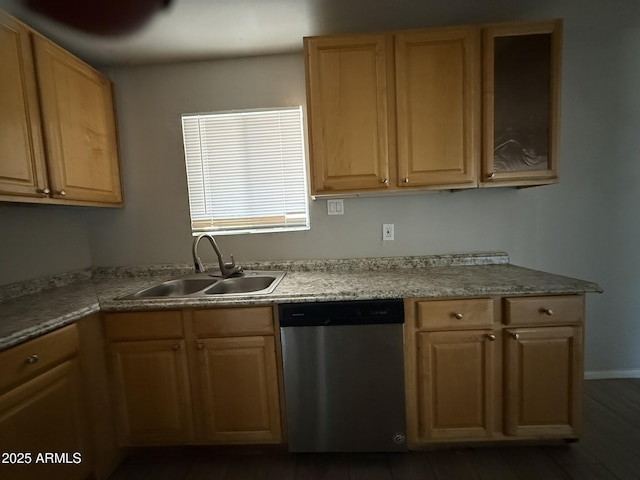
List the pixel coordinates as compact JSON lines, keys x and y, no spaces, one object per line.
{"x":246,"y":171}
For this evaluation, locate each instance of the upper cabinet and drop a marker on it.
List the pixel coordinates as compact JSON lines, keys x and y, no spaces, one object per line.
{"x":58,"y":142}
{"x":439,"y":108}
{"x":348,"y":112}
{"x":521,"y":77}
{"x":436,"y":94}
{"x":22,"y":167}
{"x":392,"y":111}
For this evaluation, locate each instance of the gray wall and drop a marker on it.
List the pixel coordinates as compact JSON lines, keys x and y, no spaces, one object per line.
{"x":586,"y":226}
{"x":37,"y":241}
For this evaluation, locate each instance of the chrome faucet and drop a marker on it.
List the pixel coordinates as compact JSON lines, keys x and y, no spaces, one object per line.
{"x":227,"y":269}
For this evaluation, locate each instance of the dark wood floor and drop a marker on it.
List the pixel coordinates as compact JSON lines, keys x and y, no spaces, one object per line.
{"x":609,"y":449}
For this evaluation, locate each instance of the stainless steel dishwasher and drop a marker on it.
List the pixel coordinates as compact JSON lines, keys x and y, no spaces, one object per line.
{"x":344,"y":376}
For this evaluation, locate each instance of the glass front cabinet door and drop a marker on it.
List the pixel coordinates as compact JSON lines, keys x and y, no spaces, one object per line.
{"x":521,"y":79}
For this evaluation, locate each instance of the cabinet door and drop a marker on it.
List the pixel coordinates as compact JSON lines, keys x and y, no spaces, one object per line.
{"x":79,"y":124}
{"x":543,"y":368}
{"x":240,"y":389}
{"x":22,"y":167}
{"x":347,"y":109}
{"x":521,"y":82}
{"x":437,"y":91}
{"x":152,"y":391}
{"x":456,"y":384}
{"x":45,"y":418}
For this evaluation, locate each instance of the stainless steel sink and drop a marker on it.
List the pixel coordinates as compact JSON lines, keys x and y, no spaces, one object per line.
{"x":255,"y":282}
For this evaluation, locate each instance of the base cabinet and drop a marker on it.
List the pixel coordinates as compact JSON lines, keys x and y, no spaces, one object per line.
{"x":456,"y":384}
{"x":151,"y":381}
{"x":543,"y":368}
{"x":43,"y":429}
{"x":195,"y":376}
{"x":239,"y":397}
{"x":493,"y":369}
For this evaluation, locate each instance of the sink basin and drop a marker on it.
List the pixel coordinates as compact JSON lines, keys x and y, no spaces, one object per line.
{"x":255,"y":282}
{"x":178,"y":287}
{"x":242,"y":285}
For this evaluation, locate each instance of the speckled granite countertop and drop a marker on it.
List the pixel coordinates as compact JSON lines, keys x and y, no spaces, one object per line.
{"x":39,"y":312}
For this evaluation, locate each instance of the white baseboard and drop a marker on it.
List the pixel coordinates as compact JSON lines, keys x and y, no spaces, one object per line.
{"x":602,"y":374}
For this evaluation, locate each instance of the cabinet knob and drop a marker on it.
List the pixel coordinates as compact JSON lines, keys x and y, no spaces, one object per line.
{"x":62,"y":193}
{"x":406,"y":180}
{"x":176,"y":346}
{"x":385,"y":181}
{"x":458,"y":316}
{"x":548,"y":311}
{"x":515,"y":335}
{"x":200,"y":346}
{"x":44,"y":191}
{"x":491,"y":337}
{"x":491,"y":175}
{"x":32,"y":359}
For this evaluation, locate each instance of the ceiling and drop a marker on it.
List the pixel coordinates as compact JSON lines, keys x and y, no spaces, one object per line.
{"x":214,"y":29}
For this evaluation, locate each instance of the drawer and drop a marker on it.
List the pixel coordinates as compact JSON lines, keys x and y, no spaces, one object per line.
{"x":472,"y":312}
{"x":143,"y":325}
{"x":547,"y":310}
{"x":233,"y":322}
{"x":23,"y":361}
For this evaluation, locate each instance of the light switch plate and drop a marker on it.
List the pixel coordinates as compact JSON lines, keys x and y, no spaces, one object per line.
{"x":335,"y":207}
{"x":387,"y":231}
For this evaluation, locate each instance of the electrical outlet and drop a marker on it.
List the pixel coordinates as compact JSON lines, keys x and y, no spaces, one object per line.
{"x":387,"y":231}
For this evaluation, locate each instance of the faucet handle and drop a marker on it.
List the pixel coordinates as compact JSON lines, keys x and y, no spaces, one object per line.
{"x":232,"y":268}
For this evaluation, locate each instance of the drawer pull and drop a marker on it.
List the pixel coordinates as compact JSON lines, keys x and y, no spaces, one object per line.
{"x":458,"y":316}
{"x":176,"y":347}
{"x":515,"y":335}
{"x":548,"y":311}
{"x":31,"y":359}
{"x":491,"y":337}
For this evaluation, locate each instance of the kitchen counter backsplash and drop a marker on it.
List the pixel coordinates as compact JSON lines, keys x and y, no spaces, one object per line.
{"x":14,"y":290}
{"x":372,"y":263}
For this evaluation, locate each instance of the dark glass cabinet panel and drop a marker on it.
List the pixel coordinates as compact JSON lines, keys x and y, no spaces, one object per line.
{"x":520,"y":75}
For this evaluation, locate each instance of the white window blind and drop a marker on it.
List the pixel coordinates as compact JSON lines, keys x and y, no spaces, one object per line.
{"x":246,"y":171}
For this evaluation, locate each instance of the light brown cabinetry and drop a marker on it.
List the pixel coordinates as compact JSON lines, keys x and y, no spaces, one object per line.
{"x":404,"y":110}
{"x":150,"y":377}
{"x":457,"y":384}
{"x":59,"y":142}
{"x":41,"y":409}
{"x":493,"y":369}
{"x":238,"y":375}
{"x":437,"y":95}
{"x":22,"y":169}
{"x":360,"y":87}
{"x":451,"y":363}
{"x":347,"y":95}
{"x":543,"y":366}
{"x":521,"y":84}
{"x":213,"y":375}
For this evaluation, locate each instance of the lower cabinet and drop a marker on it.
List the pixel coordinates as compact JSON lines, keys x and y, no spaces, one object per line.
{"x":493,"y":369}
{"x":195,"y":376}
{"x":43,"y":428}
{"x":457,"y":384}
{"x":237,"y":374}
{"x":543,"y":370}
{"x":152,"y":391}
